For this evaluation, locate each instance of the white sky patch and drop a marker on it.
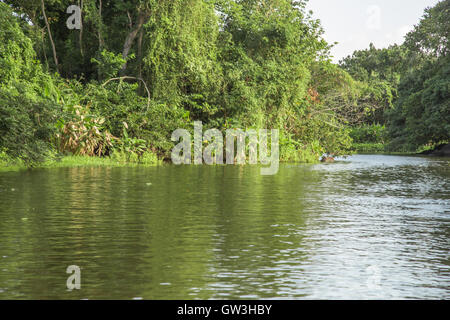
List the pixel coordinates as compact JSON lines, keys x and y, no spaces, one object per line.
{"x":354,"y":24}
{"x":373,"y":17}
{"x":403,"y":30}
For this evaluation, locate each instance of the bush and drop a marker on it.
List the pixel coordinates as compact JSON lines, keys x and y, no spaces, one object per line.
{"x":83,"y":134}
{"x":26,"y":125}
{"x":374,"y":133}
{"x":28,"y":96}
{"x":369,"y":147}
{"x":119,"y":103}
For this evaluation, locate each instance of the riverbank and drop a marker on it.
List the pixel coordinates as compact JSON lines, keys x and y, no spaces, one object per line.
{"x":80,"y":161}
{"x":369,"y":148}
{"x":148,"y":160}
{"x":378,"y":149}
{"x":442,"y":150}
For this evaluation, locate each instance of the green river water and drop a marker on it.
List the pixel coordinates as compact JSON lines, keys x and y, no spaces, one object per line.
{"x":365,"y":227}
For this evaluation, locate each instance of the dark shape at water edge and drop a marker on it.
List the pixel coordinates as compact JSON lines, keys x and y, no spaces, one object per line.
{"x":327,"y":159}
{"x":442,"y":150}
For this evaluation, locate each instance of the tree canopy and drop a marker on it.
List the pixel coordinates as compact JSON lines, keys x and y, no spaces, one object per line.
{"x":141,"y":69}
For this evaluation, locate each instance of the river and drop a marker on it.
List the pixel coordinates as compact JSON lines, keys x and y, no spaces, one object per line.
{"x":365,"y":227}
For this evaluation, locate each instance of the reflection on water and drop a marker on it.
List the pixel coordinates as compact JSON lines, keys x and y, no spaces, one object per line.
{"x":364,"y":227}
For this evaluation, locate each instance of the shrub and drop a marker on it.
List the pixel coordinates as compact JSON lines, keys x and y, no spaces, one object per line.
{"x":26,"y":125}
{"x":374,"y":133}
{"x":84,"y":134}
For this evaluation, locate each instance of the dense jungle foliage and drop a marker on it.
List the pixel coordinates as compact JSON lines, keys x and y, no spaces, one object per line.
{"x":414,"y":79}
{"x":137,"y":70}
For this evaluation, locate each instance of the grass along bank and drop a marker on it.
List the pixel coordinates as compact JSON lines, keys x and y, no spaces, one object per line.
{"x":116,"y":160}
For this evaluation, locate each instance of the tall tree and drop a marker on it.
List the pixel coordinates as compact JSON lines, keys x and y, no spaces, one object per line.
{"x":55,"y":57}
{"x":422,"y":112}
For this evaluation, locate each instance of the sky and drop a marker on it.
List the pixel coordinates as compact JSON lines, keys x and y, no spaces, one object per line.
{"x":354,"y":24}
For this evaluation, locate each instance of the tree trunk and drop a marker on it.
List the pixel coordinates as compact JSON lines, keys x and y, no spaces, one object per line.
{"x":81,"y":31}
{"x":142,"y":18}
{"x":100,"y":26}
{"x":50,"y":36}
{"x":99,"y":33}
{"x":141,"y":35}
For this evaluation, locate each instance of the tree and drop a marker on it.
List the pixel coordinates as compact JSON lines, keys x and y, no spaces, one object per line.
{"x":431,"y":36}
{"x":27,"y":105}
{"x":55,"y":57}
{"x":422,"y":112}
{"x":379,"y":71}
